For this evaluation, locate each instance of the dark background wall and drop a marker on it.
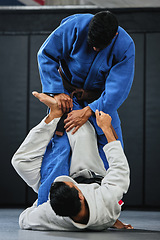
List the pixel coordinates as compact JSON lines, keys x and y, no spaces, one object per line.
{"x":22,"y":32}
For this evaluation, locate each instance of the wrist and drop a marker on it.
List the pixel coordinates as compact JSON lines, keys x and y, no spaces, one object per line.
{"x":109,"y":134}
{"x":49,"y":118}
{"x":88,"y":111}
{"x":50,"y":94}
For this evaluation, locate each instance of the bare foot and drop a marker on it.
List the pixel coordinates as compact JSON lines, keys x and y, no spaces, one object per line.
{"x":119,"y":225}
{"x":55,"y":112}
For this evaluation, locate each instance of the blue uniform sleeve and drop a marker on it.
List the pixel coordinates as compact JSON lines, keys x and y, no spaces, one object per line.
{"x":118,"y":84}
{"x":54,"y":49}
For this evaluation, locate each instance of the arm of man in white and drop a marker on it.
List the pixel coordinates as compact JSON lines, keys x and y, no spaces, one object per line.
{"x":43,"y":218}
{"x":28,"y":158}
{"x":118,"y":174}
{"x":116,"y":181}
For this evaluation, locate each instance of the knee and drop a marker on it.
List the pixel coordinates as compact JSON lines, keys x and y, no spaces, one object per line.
{"x":13,"y":161}
{"x":84,"y":135}
{"x":86,"y":130}
{"x":16,"y":163}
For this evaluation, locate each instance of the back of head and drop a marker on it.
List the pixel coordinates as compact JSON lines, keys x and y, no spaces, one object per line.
{"x":102,"y":29}
{"x":64,"y":200}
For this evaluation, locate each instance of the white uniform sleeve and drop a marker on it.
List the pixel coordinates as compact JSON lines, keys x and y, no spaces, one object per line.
{"x":36,"y":218}
{"x":28,"y":158}
{"x":44,"y":218}
{"x":118,"y":174}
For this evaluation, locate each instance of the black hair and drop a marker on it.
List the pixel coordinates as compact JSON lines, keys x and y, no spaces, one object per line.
{"x":64,"y":200}
{"x":102,"y":29}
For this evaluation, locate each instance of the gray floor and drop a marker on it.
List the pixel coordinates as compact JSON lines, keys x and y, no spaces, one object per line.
{"x":146,"y":226}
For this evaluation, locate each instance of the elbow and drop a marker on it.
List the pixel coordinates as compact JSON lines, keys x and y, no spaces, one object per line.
{"x":39,"y":55}
{"x":125,"y":178}
{"x":128,"y":178}
{"x":127,"y":182}
{"x":22,"y":224}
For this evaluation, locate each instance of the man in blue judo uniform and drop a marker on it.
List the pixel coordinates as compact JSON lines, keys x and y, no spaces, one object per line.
{"x":87,"y":63}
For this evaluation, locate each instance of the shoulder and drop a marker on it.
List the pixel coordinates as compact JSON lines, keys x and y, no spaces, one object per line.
{"x":123,"y":33}
{"x":124,"y":38}
{"x":78,"y":18}
{"x":123,"y":45}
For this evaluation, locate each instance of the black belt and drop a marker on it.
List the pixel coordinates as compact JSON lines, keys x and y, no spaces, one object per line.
{"x":94,"y":179}
{"x":81,"y":95}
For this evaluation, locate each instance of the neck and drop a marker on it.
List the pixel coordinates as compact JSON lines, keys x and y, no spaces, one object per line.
{"x":83,"y":216}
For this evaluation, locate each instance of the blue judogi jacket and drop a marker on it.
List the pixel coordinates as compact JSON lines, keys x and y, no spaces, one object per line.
{"x":111,"y":70}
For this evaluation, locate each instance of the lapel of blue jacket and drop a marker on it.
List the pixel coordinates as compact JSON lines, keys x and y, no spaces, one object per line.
{"x":92,"y":75}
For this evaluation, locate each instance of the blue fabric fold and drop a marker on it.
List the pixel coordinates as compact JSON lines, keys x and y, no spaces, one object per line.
{"x":56,"y":162}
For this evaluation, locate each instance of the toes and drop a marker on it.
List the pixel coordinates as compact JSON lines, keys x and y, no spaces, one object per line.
{"x":40,"y":96}
{"x":35,"y":94}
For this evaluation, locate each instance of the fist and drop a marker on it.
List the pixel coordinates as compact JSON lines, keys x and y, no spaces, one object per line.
{"x":64,"y":102}
{"x":103,"y":120}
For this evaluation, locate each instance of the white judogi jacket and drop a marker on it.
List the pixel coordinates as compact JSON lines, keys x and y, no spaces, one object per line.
{"x":102,"y":199}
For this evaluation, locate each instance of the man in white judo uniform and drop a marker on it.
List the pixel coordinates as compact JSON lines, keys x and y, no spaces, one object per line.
{"x":74,"y":206}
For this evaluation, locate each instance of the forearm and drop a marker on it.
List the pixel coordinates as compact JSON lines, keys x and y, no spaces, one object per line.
{"x":104,"y":122}
{"x":118,"y":173}
{"x":109,"y":134}
{"x":33,"y":218}
{"x":117,"y":86}
{"x":88,"y":111}
{"x":43,"y":218}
